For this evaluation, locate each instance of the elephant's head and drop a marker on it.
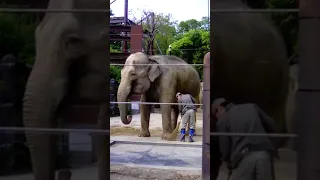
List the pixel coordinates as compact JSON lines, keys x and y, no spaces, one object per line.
{"x":136,"y":79}
{"x":72,"y":54}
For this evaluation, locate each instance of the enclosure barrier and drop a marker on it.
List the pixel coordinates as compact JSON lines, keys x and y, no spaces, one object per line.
{"x":206,"y":92}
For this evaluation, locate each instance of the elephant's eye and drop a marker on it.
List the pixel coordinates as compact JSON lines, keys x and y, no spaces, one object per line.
{"x":133,"y":75}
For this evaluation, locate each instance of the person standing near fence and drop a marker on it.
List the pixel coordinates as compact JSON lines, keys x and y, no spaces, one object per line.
{"x":247,"y":157}
{"x":187,"y":111}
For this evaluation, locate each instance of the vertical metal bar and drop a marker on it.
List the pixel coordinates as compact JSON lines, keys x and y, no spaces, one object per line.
{"x":153,"y":34}
{"x":126,"y":12}
{"x":206,"y":119}
{"x":309,"y":91}
{"x":125,"y":43}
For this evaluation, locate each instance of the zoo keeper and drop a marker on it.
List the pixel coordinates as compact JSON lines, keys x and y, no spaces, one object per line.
{"x":187,"y":111}
{"x":247,"y":157}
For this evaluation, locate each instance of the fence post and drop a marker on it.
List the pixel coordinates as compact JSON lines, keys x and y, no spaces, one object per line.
{"x":308,"y":93}
{"x":206,"y":119}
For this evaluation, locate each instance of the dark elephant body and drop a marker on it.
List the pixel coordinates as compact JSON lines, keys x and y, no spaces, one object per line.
{"x":249,"y":61}
{"x":157,"y":83}
{"x":71,"y":65}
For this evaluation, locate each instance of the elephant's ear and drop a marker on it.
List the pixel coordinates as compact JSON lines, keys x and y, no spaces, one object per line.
{"x":154,"y":70}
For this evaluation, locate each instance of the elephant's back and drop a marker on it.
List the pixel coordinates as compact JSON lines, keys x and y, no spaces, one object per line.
{"x":247,"y":51}
{"x":186,"y":76}
{"x":249,"y":59}
{"x":188,"y":81}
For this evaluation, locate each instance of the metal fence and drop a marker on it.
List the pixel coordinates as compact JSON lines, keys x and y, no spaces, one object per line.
{"x":206,"y":92}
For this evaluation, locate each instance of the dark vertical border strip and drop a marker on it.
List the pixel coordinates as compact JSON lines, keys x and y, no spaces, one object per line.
{"x":206,"y":119}
{"x":308,"y":97}
{"x":215,"y":161}
{"x":108,"y":92}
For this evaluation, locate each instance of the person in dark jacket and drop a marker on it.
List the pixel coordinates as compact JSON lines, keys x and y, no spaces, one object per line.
{"x":187,"y":111}
{"x":247,"y":157}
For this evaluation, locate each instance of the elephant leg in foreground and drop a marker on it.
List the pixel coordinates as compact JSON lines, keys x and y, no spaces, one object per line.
{"x":166,"y":121}
{"x":39,"y":112}
{"x":42,"y":150}
{"x":145,"y":118}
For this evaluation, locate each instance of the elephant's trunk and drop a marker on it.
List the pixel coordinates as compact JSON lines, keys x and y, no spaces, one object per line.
{"x":44,"y":91}
{"x":122,"y":96}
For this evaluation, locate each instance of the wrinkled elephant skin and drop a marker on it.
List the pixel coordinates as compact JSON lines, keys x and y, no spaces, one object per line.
{"x":250,"y":63}
{"x":71,"y":64}
{"x":156,"y":83}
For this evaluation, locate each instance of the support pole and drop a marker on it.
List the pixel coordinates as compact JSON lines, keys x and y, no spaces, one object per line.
{"x":153,"y":34}
{"x":125,"y":43}
{"x":309,"y":91}
{"x":206,"y":119}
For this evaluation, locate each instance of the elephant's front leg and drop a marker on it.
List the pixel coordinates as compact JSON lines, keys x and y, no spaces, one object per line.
{"x":166,"y":121}
{"x":145,"y":118}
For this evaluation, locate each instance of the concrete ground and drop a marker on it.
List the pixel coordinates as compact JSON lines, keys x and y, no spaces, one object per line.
{"x":177,"y":160}
{"x":128,"y":172}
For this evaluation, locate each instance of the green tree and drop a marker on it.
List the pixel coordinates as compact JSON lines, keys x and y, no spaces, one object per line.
{"x":185,"y":26}
{"x":287,"y":23}
{"x":193,"y":24}
{"x":192,"y":47}
{"x":165,"y":29}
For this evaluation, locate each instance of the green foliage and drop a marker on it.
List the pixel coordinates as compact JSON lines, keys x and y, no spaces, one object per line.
{"x":114,"y":49}
{"x":192,"y":24}
{"x":17,"y":35}
{"x":192,"y":47}
{"x":166,"y":32}
{"x":287,"y":23}
{"x":115,"y":73}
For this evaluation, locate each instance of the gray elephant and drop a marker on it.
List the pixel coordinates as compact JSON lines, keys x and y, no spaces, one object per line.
{"x":71,"y":65}
{"x":156,"y":83}
{"x":249,"y":61}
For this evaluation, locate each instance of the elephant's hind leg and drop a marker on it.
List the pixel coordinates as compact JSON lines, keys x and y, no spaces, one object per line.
{"x":174,"y":116}
{"x":145,"y":110}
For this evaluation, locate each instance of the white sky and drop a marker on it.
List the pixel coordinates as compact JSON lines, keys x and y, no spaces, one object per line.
{"x":180,"y":10}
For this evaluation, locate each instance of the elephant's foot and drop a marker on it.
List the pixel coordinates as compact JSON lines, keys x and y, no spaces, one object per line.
{"x":167,"y":136}
{"x":64,"y":174}
{"x":144,"y":133}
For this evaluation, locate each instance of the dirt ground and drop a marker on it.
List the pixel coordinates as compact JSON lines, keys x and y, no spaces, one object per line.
{"x":155,"y":126}
{"x":119,"y":172}
{"x":132,"y":131}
